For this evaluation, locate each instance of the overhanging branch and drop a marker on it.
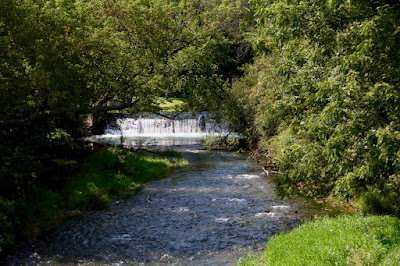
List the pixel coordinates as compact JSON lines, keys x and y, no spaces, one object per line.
{"x":50,"y":114}
{"x":113,"y":107}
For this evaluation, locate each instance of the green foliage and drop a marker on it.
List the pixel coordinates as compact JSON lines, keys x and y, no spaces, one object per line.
{"x":7,"y":221}
{"x":63,"y":58}
{"x":326,"y":89}
{"x":345,"y":240}
{"x":393,"y":258}
{"x":219,"y":142}
{"x":171,"y":105}
{"x":42,"y":209}
{"x":376,"y":203}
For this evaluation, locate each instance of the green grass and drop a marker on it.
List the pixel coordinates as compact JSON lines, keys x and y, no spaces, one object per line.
{"x":345,"y":240}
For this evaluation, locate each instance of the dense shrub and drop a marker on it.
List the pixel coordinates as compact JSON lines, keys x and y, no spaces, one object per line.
{"x":328,"y":107}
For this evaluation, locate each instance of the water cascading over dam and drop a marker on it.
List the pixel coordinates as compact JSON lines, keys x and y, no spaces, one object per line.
{"x":163,"y":129}
{"x":166,"y":124}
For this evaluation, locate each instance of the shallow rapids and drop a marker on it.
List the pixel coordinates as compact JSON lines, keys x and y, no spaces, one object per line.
{"x":209,"y":213}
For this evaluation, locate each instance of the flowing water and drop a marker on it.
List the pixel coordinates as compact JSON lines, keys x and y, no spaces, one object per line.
{"x":182,"y":124}
{"x":208,"y":213}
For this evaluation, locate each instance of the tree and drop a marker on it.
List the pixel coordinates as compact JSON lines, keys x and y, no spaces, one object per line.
{"x":332,"y":105}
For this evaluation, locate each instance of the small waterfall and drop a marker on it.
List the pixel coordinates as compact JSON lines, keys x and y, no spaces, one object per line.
{"x":184,"y":124}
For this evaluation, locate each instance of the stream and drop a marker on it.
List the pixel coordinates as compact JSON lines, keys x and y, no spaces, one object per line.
{"x":211,"y":212}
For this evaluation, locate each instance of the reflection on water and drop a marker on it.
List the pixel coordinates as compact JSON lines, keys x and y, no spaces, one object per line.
{"x":150,"y":141}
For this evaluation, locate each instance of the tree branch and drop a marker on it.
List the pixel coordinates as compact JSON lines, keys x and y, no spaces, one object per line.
{"x":50,"y":113}
{"x":113,"y":107}
{"x":166,"y":116}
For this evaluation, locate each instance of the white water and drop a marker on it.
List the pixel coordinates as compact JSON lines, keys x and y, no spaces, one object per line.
{"x":169,"y":125}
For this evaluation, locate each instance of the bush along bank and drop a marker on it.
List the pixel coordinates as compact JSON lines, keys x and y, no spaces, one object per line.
{"x":101,"y":176}
{"x":230,"y":143}
{"x":344,"y":240}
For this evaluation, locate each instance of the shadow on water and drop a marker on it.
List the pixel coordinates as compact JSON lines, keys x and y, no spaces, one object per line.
{"x":209,"y":213}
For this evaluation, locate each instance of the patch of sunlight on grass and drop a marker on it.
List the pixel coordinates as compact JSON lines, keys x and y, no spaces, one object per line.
{"x":345,"y":240}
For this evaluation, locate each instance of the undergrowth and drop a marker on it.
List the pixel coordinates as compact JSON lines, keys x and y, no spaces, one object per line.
{"x":345,"y":240}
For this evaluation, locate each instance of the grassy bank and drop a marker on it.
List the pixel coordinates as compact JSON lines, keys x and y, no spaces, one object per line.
{"x":345,"y":240}
{"x":114,"y":170}
{"x":101,"y":176}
